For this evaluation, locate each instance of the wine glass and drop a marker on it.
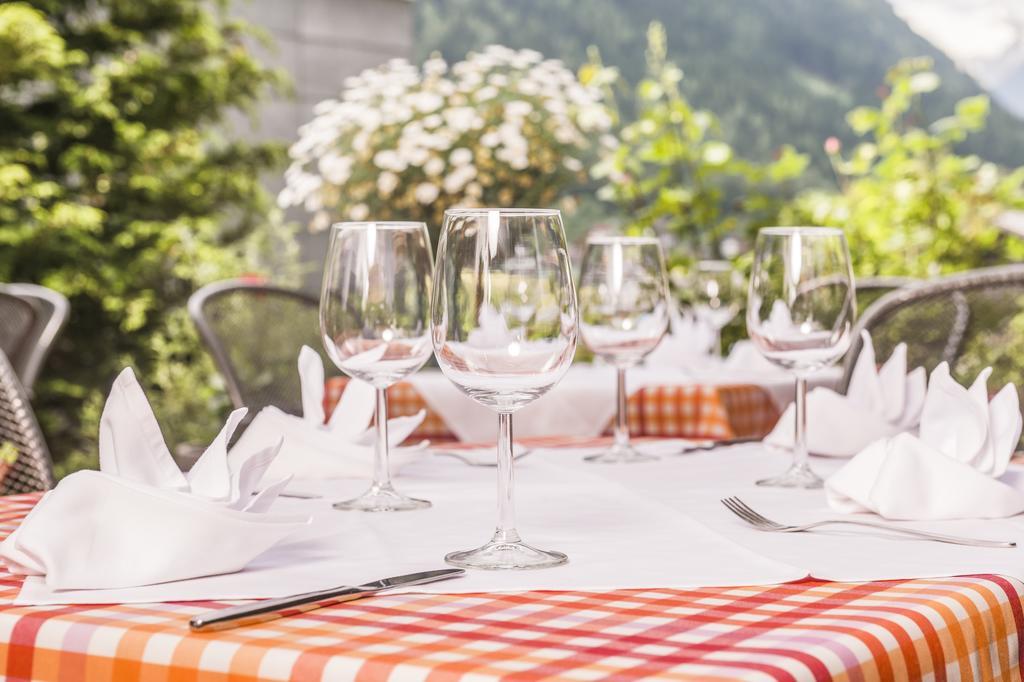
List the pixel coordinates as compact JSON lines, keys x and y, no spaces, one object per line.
{"x":374,"y":320}
{"x":718,"y":287}
{"x":504,"y":323}
{"x":800,"y":310}
{"x":624,"y":313}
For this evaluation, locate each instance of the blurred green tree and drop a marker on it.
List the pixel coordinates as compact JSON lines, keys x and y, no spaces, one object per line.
{"x":673,"y":172}
{"x":910,"y":203}
{"x":120,"y":187}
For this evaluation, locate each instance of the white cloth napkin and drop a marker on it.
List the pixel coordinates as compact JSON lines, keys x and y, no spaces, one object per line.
{"x":690,"y":342}
{"x":341,"y":447}
{"x":951,"y":470}
{"x":140,"y":520}
{"x":745,"y":357}
{"x":690,"y":346}
{"x":878,"y":403}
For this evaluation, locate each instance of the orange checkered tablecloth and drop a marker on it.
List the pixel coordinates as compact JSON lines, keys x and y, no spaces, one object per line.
{"x":691,"y":411}
{"x":955,"y":628}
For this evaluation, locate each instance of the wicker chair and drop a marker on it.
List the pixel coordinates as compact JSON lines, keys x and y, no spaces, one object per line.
{"x":32,"y":469}
{"x":970,"y":320}
{"x":17,"y":319}
{"x":27,"y":343}
{"x":254,"y":331}
{"x":870,"y":289}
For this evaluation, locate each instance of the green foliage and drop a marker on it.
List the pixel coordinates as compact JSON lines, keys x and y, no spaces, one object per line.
{"x":673,"y":171}
{"x":909,"y":202}
{"x":119,"y":188}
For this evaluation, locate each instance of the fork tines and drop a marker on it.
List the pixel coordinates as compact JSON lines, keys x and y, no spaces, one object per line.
{"x":742,"y":510}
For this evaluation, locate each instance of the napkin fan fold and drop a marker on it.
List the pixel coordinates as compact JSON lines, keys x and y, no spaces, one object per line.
{"x":688,"y":343}
{"x":879,"y":402}
{"x":954,"y":468}
{"x":315,"y":446}
{"x":140,"y":520}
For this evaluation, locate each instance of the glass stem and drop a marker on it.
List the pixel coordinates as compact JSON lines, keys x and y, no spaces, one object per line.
{"x":506,"y":531}
{"x":800,"y":427}
{"x":381,"y":470}
{"x":718,"y":342}
{"x":621,"y":413}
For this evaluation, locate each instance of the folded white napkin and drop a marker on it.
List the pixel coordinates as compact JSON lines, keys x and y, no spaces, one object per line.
{"x":878,"y":403}
{"x":690,"y":345}
{"x":341,"y":447}
{"x":139,"y":520}
{"x":951,"y":470}
{"x":690,"y":342}
{"x":491,"y":331}
{"x":745,"y":357}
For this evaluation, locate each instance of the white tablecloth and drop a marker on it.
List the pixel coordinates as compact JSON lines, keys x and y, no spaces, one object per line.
{"x":695,"y":485}
{"x":650,"y":525}
{"x":614,"y":539}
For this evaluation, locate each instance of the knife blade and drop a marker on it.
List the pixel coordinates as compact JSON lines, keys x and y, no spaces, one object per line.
{"x":271,"y":609}
{"x":705,"y":445}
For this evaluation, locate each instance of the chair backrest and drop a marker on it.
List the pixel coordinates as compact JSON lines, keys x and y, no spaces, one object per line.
{"x":971,"y":320}
{"x":870,"y":289}
{"x":17,"y":319}
{"x":254,"y":331}
{"x":50,"y":314}
{"x":32,"y":469}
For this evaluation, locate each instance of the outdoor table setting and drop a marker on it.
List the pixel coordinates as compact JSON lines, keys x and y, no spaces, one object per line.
{"x":872,"y":534}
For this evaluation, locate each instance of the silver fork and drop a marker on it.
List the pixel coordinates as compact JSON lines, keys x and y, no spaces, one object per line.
{"x":740,"y":509}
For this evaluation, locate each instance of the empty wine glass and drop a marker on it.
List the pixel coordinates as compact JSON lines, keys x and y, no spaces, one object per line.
{"x":624,"y":313}
{"x":718,"y":289}
{"x":504,"y":329}
{"x":375,"y":324}
{"x":800,"y":309}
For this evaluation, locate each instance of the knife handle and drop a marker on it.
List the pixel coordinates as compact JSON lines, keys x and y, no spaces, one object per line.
{"x":271,"y":609}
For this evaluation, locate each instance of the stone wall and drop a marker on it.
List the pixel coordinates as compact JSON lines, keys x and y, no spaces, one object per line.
{"x":320,"y":43}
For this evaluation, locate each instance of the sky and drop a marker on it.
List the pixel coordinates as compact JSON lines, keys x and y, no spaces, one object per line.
{"x":979,"y":35}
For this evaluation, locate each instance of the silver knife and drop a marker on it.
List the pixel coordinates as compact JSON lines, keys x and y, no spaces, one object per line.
{"x":270,"y":609}
{"x":715,"y":444}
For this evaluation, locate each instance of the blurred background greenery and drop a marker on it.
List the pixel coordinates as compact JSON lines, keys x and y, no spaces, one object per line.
{"x":779,"y":72}
{"x":126,"y":184}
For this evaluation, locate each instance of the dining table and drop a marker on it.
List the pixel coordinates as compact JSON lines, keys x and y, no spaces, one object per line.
{"x":962,"y":627}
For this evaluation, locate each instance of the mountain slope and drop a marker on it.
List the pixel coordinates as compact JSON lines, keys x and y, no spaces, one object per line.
{"x":775,"y":71}
{"x":1009,"y":91}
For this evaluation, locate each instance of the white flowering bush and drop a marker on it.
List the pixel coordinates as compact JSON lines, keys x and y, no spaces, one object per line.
{"x":501,"y":128}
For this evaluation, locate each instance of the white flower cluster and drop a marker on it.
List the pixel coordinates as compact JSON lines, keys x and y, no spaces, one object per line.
{"x":501,"y":127}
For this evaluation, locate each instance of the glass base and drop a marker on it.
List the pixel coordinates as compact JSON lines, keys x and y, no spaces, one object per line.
{"x":620,"y":454}
{"x":796,"y":477}
{"x":381,"y":499}
{"x":504,"y":555}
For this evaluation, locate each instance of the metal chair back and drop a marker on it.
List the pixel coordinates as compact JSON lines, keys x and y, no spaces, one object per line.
{"x":50,"y":311}
{"x":870,"y":289}
{"x":971,"y":320}
{"x":254,"y":331}
{"x":17,"y":319}
{"x":32,"y":468}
